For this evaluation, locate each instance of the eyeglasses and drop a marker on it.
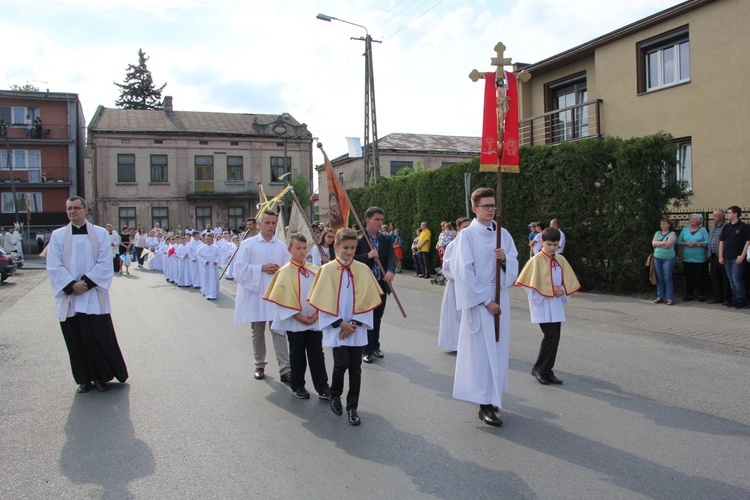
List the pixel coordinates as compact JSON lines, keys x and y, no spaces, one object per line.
{"x":488,"y":207}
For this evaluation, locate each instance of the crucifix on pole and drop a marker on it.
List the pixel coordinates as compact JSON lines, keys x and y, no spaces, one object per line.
{"x":498,"y":150}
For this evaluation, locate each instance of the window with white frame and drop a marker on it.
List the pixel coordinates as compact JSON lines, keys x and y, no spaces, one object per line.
{"x":664,"y":61}
{"x":684,"y":169}
{"x":23,"y":159}
{"x":234,"y":169}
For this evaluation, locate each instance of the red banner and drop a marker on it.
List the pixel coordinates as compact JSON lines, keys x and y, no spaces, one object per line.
{"x":488,"y":158}
{"x":338,"y":206}
{"x":510,"y":158}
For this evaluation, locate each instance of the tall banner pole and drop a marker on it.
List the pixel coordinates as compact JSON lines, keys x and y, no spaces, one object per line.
{"x":307,"y":222}
{"x":499,"y":155}
{"x":362,"y":227}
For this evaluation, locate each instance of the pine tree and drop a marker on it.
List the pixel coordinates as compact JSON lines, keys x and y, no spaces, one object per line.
{"x":138,"y":91}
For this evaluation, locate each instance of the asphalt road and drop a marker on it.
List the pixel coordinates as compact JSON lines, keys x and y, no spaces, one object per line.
{"x":642,"y":413}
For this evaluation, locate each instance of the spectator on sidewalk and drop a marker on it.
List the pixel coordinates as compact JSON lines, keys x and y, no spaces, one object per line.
{"x":722,"y":293}
{"x":733,"y":243}
{"x":664,"y":260}
{"x":693,"y":240}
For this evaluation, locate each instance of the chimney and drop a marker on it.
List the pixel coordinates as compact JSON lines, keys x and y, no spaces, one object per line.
{"x":168,"y":109}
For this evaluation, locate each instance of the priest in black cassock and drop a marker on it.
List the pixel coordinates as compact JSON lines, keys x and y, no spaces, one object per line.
{"x":79,"y":264}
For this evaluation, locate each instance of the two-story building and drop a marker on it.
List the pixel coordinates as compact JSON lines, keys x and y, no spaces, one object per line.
{"x":189,"y":167}
{"x":398,"y":151}
{"x":43,"y":143}
{"x":679,"y":71}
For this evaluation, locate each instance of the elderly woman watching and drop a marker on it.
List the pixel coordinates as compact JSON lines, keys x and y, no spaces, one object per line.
{"x":693,"y":240}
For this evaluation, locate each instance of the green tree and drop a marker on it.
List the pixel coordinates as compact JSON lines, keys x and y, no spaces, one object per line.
{"x":25,"y":88}
{"x":301,"y":188}
{"x":138,"y":90}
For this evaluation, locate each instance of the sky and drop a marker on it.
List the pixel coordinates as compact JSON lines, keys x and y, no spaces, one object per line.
{"x":251,"y":56}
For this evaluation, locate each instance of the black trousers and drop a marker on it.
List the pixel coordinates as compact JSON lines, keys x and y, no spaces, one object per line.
{"x":307,"y":347}
{"x":139,"y":256}
{"x":347,"y":358}
{"x":425,"y":262}
{"x":117,"y":262}
{"x":719,"y":281}
{"x":93,"y":348}
{"x":695,"y":277}
{"x":548,"y":349}
{"x":373,"y":336}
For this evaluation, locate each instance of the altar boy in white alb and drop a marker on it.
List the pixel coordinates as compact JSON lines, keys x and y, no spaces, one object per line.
{"x":257,"y":260}
{"x":482,"y":362}
{"x":79,"y":264}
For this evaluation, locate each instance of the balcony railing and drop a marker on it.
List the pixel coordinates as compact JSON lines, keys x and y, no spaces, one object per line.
{"x":48,"y":132}
{"x":221,"y":188}
{"x":44,"y":175}
{"x":582,"y":121}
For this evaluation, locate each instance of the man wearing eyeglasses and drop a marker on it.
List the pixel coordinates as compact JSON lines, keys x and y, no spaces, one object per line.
{"x":79,"y":264}
{"x":482,"y":362}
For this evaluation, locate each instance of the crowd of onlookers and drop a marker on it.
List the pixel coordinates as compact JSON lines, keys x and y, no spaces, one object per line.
{"x":721,"y":253}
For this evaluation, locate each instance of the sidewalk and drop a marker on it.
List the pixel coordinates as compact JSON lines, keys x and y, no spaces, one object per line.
{"x":694,"y":320}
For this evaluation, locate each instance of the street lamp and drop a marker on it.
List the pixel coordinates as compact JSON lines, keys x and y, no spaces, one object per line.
{"x":371,"y":158}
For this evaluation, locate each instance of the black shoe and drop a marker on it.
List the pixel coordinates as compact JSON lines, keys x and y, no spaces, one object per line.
{"x":101,"y":386}
{"x":260,"y":374}
{"x":687,"y":298}
{"x":84,"y":387}
{"x":701,"y":298}
{"x":552,"y":379}
{"x":489,"y":417}
{"x":353,"y":417}
{"x":325,"y":395}
{"x":539,"y":377}
{"x":740,"y":305}
{"x":426,"y":276}
{"x":367,"y":358}
{"x":729,"y":303}
{"x":336,"y":405}
{"x":301,"y":393}
{"x":377,"y":353}
{"x":715,"y":301}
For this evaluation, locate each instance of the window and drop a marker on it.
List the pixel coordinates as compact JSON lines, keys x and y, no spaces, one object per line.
{"x":202,"y":217}
{"x":234,"y":169}
{"x":279,"y":167}
{"x":204,"y":174}
{"x":160,"y":215}
{"x":664,"y":61}
{"x":23,"y":159}
{"x":573,"y":123}
{"x":397,"y":165}
{"x":685,"y":164}
{"x":236,"y":217}
{"x":125,"y":169}
{"x":34,"y":200}
{"x":341,"y":178}
{"x":127,"y":217}
{"x":16,"y":115}
{"x":159,"y":169}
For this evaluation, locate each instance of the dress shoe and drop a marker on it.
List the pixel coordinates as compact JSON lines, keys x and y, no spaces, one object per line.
{"x":101,"y":386}
{"x":740,"y":305}
{"x":728,"y":303}
{"x":84,"y":387}
{"x":715,"y":301}
{"x":426,"y":276}
{"x":489,"y":417}
{"x":301,"y":394}
{"x":367,"y":358}
{"x":353,"y":417}
{"x":540,"y":378}
{"x":286,"y":377}
{"x":701,"y":298}
{"x":325,"y":395}
{"x":336,"y":405}
{"x":552,"y":379}
{"x":377,"y":353}
{"x":260,"y":374}
{"x":687,"y":298}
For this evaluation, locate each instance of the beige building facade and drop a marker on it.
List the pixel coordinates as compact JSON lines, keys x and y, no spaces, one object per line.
{"x":680,"y":71}
{"x":186,"y":168}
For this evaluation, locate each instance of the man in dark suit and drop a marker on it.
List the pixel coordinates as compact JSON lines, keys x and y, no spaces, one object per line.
{"x":382,"y":248}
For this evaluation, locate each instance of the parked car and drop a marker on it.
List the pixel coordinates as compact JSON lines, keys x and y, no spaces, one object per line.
{"x":15,"y":257}
{"x":7,"y":265}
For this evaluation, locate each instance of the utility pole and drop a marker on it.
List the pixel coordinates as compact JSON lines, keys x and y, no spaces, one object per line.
{"x":371,"y":158}
{"x":9,"y":159}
